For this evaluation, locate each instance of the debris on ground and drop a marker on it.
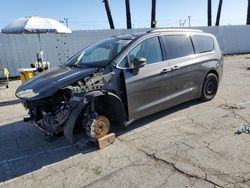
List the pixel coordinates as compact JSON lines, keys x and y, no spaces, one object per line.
{"x":243,"y":129}
{"x":231,"y":107}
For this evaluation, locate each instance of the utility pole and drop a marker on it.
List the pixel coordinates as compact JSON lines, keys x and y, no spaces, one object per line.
{"x":189,"y":21}
{"x":66,"y":21}
{"x":153,"y":21}
{"x":111,"y":23}
{"x":182,"y":24}
{"x":128,"y":14}
{"x":248,"y":13}
{"x":209,"y":12}
{"x":217,"y":23}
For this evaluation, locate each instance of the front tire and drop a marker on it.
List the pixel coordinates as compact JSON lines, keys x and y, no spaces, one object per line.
{"x":210,"y":87}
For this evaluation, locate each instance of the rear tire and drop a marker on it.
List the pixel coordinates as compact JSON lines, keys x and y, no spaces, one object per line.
{"x":210,"y":87}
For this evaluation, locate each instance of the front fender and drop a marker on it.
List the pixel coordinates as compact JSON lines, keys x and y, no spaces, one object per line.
{"x":70,"y":122}
{"x":79,"y":102}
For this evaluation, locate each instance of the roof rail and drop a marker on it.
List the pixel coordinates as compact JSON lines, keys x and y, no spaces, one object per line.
{"x":174,"y":30}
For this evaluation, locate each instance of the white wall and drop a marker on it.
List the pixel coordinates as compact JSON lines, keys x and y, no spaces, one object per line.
{"x":18,"y":51}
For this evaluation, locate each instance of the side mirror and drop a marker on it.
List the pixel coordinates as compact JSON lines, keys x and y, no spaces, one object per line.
{"x":138,"y":63}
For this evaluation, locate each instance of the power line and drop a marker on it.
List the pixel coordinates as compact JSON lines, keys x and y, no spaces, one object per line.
{"x":182,"y":23}
{"x":66,"y":21}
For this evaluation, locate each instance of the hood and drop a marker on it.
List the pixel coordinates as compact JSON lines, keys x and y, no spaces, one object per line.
{"x":47,"y":83}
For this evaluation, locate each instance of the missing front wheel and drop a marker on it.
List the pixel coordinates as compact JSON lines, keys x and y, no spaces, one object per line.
{"x":97,"y":127}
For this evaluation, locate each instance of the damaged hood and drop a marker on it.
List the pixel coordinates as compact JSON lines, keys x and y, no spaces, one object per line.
{"x":47,"y":83}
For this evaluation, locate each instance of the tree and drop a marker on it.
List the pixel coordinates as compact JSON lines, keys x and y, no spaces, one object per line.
{"x":218,"y":13}
{"x":248,"y":13}
{"x":111,"y":23}
{"x":128,"y":15}
{"x":209,"y":12}
{"x":153,"y":21}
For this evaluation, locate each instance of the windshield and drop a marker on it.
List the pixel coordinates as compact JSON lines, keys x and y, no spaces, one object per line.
{"x":100,"y":53}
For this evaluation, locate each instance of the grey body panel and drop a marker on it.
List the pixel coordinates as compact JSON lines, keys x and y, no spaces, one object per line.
{"x":147,"y":91}
{"x":150,"y":92}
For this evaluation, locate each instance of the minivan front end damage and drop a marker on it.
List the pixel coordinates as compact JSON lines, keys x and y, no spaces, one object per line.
{"x":86,"y":98}
{"x":50,"y":113}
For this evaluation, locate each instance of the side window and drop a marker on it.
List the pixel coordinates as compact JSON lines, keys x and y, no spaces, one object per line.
{"x":178,"y":46}
{"x":203,"y":44}
{"x":149,"y":49}
{"x":125,"y":63}
{"x":132,"y":54}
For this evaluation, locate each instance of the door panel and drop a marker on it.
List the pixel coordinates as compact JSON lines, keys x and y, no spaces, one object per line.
{"x":186,"y":78}
{"x":148,"y":91}
{"x":183,"y":63}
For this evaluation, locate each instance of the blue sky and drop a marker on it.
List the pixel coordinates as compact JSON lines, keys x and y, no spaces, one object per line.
{"x":90,"y":14}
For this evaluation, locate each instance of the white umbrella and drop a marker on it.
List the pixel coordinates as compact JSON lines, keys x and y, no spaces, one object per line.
{"x":35,"y":24}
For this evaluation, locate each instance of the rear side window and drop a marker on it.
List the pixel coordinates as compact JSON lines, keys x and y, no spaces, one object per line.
{"x":203,"y":44}
{"x":178,"y":46}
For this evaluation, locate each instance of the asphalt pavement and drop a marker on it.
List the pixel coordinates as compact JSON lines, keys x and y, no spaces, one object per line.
{"x":191,"y":145}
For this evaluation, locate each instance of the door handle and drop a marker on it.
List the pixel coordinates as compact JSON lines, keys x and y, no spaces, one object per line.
{"x":175,"y":68}
{"x":165,"y":71}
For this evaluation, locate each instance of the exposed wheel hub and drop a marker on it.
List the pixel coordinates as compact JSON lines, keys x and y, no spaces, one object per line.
{"x":98,"y":127}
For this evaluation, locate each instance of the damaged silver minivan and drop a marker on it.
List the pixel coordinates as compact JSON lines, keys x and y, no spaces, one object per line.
{"x":123,"y":78}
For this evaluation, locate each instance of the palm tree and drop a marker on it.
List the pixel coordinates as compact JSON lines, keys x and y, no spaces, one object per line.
{"x":153,"y":21}
{"x":218,"y":13}
{"x":248,"y":13}
{"x":209,"y":12}
{"x":128,"y":15}
{"x":111,"y":23}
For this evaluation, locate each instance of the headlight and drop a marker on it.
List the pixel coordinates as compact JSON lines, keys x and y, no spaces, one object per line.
{"x":29,"y":93}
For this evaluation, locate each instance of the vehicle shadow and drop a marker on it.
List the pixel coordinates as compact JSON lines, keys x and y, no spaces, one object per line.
{"x":12,"y":102}
{"x":148,"y":119}
{"x":24,"y":149}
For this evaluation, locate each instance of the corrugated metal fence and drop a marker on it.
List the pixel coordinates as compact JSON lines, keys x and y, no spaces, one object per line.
{"x":19,"y":50}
